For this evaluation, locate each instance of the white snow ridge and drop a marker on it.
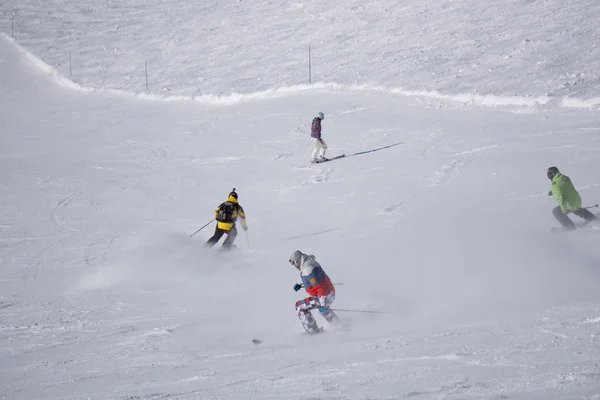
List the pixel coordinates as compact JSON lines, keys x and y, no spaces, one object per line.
{"x":435,"y":228}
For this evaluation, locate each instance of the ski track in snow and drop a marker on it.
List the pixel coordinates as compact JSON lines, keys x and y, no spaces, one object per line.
{"x":355,"y":109}
{"x":443,"y":176}
{"x":311,"y":234}
{"x":398,"y":207}
{"x":272,"y":149}
{"x":158,"y":154}
{"x":318,"y":176}
{"x":434,"y":139}
{"x":62,"y":208}
{"x":222,"y":160}
{"x":450,"y":171}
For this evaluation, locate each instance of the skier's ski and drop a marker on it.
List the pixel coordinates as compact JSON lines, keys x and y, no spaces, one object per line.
{"x":323,"y":161}
{"x":330,"y":159}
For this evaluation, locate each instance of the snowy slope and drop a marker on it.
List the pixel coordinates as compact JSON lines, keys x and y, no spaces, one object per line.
{"x":524,"y":51}
{"x":441,"y":221}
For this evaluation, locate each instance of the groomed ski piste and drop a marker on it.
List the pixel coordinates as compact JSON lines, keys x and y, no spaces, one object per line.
{"x":435,"y":227}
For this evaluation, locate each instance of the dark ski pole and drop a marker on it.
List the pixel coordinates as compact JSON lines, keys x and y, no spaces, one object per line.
{"x":202,"y":228}
{"x":585,"y":208}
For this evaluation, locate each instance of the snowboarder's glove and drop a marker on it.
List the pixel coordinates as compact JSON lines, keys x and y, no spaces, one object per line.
{"x":550,"y":193}
{"x":245,"y":228}
{"x":297,"y":287}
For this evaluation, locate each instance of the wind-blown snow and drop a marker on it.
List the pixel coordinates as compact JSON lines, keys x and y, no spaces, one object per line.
{"x":437,"y":218}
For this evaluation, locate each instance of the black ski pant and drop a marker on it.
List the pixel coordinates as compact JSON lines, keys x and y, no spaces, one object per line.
{"x":566,"y":221}
{"x":231,"y":234}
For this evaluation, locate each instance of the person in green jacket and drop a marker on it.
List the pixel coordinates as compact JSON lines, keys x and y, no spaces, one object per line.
{"x":568,"y":199}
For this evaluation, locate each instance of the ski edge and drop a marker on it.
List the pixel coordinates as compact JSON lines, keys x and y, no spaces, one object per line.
{"x":329,"y":159}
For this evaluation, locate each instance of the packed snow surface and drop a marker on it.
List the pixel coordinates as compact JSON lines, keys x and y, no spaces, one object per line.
{"x":435,"y":227}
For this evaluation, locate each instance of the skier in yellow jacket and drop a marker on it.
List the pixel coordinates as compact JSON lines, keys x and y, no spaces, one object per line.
{"x":226,"y":215}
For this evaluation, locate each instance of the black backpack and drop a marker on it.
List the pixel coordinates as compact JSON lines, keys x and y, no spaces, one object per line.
{"x":225,"y":212}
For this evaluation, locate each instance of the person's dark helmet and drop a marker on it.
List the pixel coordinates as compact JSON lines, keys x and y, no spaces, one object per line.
{"x":551,"y":172}
{"x":233,"y":194}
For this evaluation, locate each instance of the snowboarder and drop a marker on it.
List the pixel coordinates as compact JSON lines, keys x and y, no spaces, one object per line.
{"x":226,"y":215}
{"x":568,"y":199}
{"x":318,"y":285}
{"x":319,"y":145}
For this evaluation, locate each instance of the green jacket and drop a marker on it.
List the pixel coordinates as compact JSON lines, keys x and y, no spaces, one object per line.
{"x":565,"y":194}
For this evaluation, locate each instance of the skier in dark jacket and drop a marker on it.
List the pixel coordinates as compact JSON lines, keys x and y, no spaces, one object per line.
{"x":568,"y":199}
{"x":319,"y":145}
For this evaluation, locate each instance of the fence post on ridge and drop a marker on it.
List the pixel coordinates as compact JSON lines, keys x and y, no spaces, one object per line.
{"x":309,"y":66}
{"x":146,"y":68}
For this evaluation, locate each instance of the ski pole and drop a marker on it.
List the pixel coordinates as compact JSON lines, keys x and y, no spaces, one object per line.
{"x":202,"y":228}
{"x":361,"y":311}
{"x":585,"y":208}
{"x":247,"y":240}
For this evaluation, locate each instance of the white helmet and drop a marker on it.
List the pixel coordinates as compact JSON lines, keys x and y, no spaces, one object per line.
{"x":295,"y":257}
